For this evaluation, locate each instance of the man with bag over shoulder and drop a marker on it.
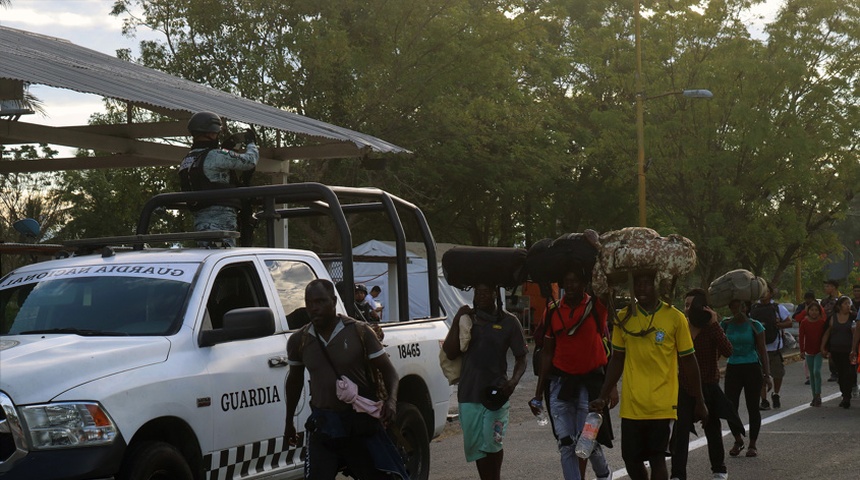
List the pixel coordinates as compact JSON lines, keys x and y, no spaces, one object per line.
{"x":347,"y":423}
{"x":484,"y":385}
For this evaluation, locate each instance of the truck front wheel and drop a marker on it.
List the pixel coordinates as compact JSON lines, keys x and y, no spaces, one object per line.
{"x":414,"y":441}
{"x":155,"y":461}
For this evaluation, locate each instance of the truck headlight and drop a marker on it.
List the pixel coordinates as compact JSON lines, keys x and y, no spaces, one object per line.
{"x":64,"y":425}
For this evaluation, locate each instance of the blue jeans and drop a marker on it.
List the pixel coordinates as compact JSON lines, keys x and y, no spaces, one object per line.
{"x":568,"y":417}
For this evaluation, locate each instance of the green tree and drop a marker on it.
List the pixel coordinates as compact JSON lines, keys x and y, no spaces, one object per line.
{"x":775,"y":152}
{"x":756,"y":176}
{"x":520,"y":114}
{"x":27,"y":196}
{"x":465,"y":85}
{"x":107,"y":202}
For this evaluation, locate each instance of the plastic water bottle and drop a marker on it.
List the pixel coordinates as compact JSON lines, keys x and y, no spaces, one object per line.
{"x":541,"y":417}
{"x":585,"y":444}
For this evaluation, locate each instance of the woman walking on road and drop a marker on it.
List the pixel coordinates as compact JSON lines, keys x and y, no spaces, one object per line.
{"x":810,"y":339}
{"x":837,"y":342}
{"x":747,"y":369}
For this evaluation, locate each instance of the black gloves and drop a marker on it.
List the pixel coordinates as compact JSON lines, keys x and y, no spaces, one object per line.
{"x":250,"y":136}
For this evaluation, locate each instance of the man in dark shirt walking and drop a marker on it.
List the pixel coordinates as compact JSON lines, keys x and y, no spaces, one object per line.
{"x":341,"y":434}
{"x":484,"y":385}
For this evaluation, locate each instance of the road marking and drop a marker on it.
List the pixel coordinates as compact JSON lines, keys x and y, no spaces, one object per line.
{"x":702,"y":441}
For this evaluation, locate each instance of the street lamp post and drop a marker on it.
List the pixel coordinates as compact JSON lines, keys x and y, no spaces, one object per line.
{"x":640,"y":114}
{"x":640,"y":119}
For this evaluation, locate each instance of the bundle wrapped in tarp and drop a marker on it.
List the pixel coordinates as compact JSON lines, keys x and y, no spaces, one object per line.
{"x":637,"y":249}
{"x":549,"y":260}
{"x":737,"y":284}
{"x":466,"y":267}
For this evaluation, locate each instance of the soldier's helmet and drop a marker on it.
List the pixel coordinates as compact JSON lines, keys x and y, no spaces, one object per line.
{"x":204,"y":122}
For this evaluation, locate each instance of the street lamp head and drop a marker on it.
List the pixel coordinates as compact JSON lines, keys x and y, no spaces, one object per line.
{"x":697,"y":93}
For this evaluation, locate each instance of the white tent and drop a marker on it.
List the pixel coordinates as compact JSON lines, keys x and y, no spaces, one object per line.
{"x":382,"y":273}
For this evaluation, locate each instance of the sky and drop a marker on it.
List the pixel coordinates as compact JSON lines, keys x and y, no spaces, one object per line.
{"x":88,"y":23}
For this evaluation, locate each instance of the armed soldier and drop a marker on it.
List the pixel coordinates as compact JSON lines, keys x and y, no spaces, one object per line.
{"x":209,"y":167}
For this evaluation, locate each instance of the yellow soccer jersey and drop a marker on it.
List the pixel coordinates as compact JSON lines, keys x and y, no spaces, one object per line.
{"x":650,"y":381}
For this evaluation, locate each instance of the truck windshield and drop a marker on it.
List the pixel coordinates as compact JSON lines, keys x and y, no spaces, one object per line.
{"x":93,"y":305}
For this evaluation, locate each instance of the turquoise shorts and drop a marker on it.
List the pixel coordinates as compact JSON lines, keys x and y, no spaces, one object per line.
{"x":483,"y":429}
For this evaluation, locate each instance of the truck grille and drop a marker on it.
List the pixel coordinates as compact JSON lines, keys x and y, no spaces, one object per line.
{"x":12,"y":442}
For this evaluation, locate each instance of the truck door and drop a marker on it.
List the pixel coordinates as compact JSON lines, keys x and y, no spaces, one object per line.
{"x":289,"y":277}
{"x":247,"y":387}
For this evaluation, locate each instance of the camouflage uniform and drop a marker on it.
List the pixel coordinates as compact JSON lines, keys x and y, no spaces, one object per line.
{"x":217,"y":167}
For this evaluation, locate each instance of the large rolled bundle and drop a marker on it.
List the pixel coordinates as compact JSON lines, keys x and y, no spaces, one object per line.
{"x":466,"y":267}
{"x":549,"y":260}
{"x":737,"y":284}
{"x":635,"y":249}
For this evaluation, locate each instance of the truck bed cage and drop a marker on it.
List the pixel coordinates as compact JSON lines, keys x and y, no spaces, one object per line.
{"x":315,"y":199}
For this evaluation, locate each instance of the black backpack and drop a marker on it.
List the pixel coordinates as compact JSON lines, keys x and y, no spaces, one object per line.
{"x":768,"y":315}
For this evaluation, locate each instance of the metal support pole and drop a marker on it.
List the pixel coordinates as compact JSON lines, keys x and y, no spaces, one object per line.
{"x":640,"y":120}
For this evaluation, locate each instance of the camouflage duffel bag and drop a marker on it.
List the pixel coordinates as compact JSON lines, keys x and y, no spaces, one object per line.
{"x":635,"y":249}
{"x":737,"y":284}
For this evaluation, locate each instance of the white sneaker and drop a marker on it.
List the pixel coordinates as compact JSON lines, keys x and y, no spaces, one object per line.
{"x":721,"y":476}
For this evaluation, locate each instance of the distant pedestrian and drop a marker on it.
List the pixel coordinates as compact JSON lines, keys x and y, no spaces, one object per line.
{"x":855,"y":300}
{"x":774,"y":317}
{"x":485,"y":387}
{"x":837,"y":344}
{"x":831,"y":294}
{"x":648,"y":348}
{"x":363,"y":311}
{"x":811,"y":335}
{"x":800,"y":314}
{"x":746,"y":370}
{"x":372,"y":300}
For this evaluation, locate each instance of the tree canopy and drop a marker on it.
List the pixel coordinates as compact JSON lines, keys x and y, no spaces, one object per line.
{"x":521,"y":113}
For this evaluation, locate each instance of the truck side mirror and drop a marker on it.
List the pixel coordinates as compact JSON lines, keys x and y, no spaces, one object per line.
{"x":241,"y":324}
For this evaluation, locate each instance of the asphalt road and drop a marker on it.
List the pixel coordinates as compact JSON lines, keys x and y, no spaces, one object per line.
{"x":796,"y":441}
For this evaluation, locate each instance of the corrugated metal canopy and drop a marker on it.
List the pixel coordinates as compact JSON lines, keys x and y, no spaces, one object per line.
{"x":39,"y":59}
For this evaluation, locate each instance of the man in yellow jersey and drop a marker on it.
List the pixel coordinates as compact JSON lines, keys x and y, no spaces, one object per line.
{"x":648,"y":348}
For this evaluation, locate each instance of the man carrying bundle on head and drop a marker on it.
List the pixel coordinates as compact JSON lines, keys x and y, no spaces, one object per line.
{"x":484,"y":385}
{"x":648,"y":347}
{"x":572,"y":371}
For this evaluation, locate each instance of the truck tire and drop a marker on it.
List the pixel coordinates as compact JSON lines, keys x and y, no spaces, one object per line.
{"x":155,"y":461}
{"x":416,"y":447}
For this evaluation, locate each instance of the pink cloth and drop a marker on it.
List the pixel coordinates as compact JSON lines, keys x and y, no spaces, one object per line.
{"x":347,"y":392}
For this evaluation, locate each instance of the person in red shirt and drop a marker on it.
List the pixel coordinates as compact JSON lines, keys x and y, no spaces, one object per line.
{"x":572,"y":371}
{"x":812,"y":327}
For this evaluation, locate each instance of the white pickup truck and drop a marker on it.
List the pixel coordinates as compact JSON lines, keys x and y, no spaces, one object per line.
{"x":170,"y":363}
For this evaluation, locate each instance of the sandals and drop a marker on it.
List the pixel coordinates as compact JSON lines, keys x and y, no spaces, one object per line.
{"x":736,"y":449}
{"x":752,"y":452}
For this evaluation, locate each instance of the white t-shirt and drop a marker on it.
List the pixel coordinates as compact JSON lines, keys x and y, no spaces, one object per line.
{"x":370,"y":301}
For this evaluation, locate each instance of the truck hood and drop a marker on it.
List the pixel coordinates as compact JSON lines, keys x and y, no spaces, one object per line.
{"x":38,"y":368}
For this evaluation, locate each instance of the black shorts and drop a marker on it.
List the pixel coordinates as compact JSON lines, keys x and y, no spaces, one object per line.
{"x":643,"y":440}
